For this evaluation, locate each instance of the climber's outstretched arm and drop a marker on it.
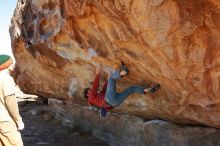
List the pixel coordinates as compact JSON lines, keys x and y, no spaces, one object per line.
{"x":95,"y":85}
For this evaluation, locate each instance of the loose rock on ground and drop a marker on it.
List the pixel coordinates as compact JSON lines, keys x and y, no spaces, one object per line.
{"x":42,"y":129}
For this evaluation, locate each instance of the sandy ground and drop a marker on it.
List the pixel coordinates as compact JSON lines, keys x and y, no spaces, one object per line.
{"x":43,"y":130}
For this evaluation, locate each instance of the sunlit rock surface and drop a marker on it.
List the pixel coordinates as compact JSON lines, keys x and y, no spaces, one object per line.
{"x":58,"y":43}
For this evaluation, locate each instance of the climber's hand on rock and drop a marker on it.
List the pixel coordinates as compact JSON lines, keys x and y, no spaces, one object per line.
{"x":98,"y":68}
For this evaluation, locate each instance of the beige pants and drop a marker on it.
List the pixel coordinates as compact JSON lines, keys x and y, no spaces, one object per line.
{"x":12,"y":138}
{"x":9,"y":136}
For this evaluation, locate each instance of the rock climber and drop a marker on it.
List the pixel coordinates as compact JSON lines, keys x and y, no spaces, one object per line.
{"x":10,"y":119}
{"x":108,"y":98}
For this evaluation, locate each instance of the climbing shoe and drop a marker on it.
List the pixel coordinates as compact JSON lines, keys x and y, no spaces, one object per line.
{"x":124,"y":68}
{"x":154,"y":88}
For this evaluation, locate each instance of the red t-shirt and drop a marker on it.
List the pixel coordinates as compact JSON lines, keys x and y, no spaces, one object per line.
{"x":98,"y":98}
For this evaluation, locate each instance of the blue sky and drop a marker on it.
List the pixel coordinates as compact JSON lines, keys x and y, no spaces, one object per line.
{"x":6,"y":11}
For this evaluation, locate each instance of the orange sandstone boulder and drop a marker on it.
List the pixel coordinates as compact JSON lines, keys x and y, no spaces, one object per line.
{"x":58,"y":43}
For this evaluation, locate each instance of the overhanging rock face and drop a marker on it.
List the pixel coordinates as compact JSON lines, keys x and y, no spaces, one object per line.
{"x":58,"y":43}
